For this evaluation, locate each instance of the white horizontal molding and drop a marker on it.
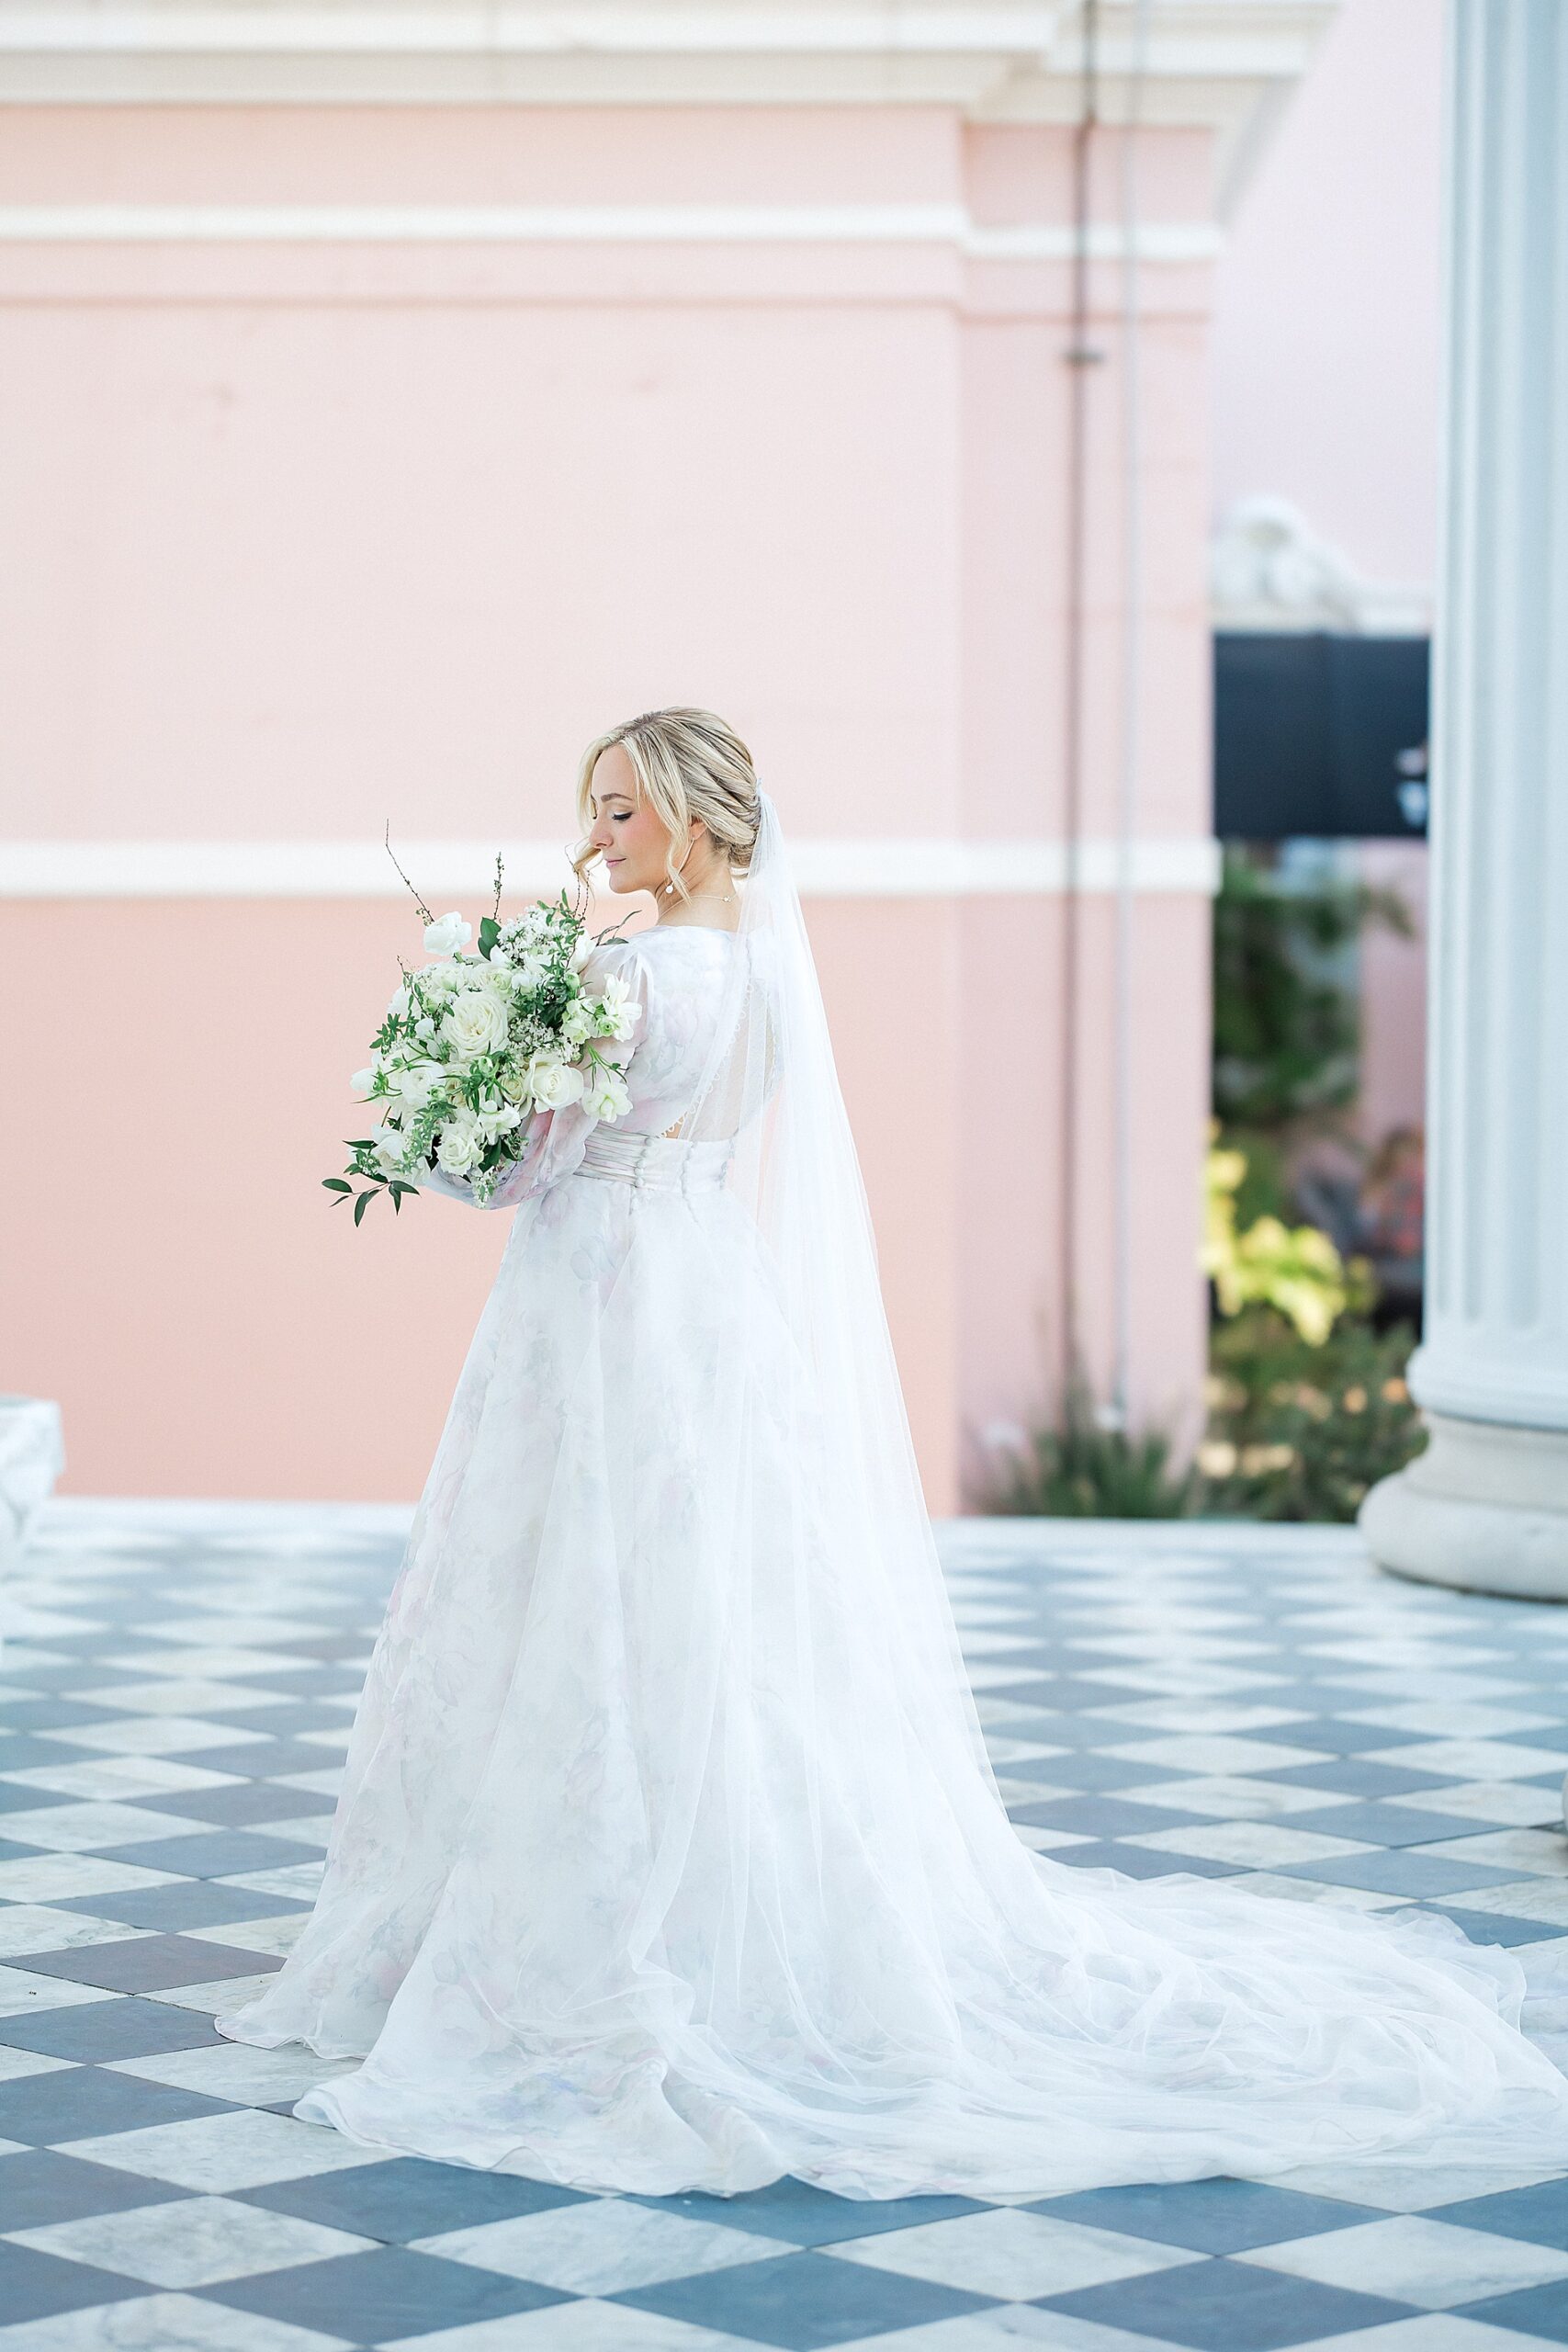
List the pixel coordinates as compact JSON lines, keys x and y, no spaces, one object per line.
{"x":924,"y":868}
{"x":504,"y":224}
{"x":1223,"y":65}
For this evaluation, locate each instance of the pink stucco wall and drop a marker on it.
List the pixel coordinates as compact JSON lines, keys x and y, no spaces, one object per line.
{"x":309,"y":535}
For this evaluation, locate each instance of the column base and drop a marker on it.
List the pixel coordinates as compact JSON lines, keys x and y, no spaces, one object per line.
{"x":1484,"y":1508}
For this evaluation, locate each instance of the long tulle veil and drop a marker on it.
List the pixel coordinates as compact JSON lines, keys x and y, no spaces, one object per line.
{"x":771,"y":1085}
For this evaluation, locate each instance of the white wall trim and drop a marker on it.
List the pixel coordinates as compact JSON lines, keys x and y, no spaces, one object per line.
{"x":1268,"y":570}
{"x":471,"y":224}
{"x":927,"y":867}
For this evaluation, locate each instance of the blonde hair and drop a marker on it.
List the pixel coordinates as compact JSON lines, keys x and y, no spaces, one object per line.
{"x":688,"y":765}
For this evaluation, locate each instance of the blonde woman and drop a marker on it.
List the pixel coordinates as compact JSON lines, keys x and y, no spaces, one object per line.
{"x":668,"y":1855}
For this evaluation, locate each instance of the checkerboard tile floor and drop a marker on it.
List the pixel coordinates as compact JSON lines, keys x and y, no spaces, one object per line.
{"x":175,"y":1691}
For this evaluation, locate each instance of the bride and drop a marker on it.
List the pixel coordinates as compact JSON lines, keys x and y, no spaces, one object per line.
{"x":668,"y":1855}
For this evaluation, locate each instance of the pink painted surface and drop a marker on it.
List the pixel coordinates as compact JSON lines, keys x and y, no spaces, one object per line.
{"x":307,"y":537}
{"x":1326,"y":298}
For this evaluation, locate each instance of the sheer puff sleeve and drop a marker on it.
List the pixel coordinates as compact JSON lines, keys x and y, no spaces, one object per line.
{"x":555,"y":1140}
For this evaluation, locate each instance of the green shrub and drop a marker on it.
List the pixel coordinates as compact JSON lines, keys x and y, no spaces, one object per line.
{"x":1084,"y":1470}
{"x":1301,"y":1431}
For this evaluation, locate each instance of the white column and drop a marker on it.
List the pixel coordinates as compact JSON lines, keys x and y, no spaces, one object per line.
{"x":1487,"y":1505}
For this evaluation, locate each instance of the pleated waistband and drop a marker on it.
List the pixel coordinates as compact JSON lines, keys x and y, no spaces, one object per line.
{"x":654,"y":1163}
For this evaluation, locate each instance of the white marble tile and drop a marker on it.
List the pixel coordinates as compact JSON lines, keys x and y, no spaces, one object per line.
{"x":602,"y":2248}
{"x":185,"y":1696}
{"x":1261,"y":1845}
{"x":1406,"y":2189}
{"x":192,"y":2243}
{"x":117,"y":1779}
{"x":36,"y":1927}
{"x":279,"y":1934}
{"x":1010,"y":2253}
{"x":163,"y":2323}
{"x":16,"y":2065}
{"x":583,"y":2327}
{"x":1229,"y":1797}
{"x":1005,"y":2325}
{"x":1541,"y":1853}
{"x":298,"y":1881}
{"x":150,"y":1735}
{"x":222,"y":2152}
{"x":80,"y":1828}
{"x":1510,"y":1805}
{"x":238,"y":2072}
{"x":1469,"y":1760}
{"x":220,"y":1993}
{"x":1411,"y":2260}
{"x":1205,"y":1753}
{"x":1430,"y":2332}
{"x":20,"y":1991}
{"x":56,"y":1878}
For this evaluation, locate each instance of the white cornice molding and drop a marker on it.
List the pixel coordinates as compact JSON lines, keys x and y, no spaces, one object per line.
{"x":1269,"y":570}
{"x":927,"y":867}
{"x":1227,"y":64}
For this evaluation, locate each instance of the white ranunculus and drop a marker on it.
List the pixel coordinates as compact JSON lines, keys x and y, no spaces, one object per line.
{"x":607,"y":1094}
{"x":389,"y":1148}
{"x":474,"y":1023}
{"x":555,"y":1084}
{"x":363,"y":1082}
{"x":444,"y":936}
{"x":462,"y":1144}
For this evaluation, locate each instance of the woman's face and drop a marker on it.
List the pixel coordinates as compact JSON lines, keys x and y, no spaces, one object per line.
{"x":631,"y":837}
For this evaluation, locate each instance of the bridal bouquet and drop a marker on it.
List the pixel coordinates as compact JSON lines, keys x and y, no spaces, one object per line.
{"x":472,"y":1043}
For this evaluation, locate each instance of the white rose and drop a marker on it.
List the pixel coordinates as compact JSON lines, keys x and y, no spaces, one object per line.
{"x":447,"y":936}
{"x":607,"y":1094}
{"x":415,"y":1087}
{"x":462,"y":1144}
{"x":555,"y":1084}
{"x":474,"y":1023}
{"x":389,"y":1148}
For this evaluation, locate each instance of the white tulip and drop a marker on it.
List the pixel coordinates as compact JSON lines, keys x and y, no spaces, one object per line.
{"x":444,"y":936}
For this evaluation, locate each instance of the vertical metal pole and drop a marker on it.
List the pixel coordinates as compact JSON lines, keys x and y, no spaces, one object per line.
{"x":1080,"y":357}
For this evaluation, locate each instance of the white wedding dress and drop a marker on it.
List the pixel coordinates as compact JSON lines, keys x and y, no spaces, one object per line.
{"x":668,"y":1856}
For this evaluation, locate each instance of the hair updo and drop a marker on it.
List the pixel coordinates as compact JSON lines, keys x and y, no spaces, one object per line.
{"x":688,"y":765}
